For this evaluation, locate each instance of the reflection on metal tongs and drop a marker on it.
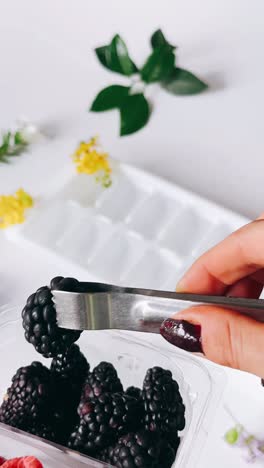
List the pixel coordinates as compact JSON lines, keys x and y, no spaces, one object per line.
{"x":98,"y":306}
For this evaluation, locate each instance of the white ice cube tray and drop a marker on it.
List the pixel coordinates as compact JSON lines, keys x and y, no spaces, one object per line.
{"x":142,"y":231}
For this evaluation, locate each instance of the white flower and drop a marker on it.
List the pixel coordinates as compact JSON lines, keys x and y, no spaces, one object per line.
{"x":29,"y":132}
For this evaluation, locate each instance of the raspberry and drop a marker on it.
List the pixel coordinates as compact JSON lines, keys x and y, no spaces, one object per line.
{"x":23,"y":462}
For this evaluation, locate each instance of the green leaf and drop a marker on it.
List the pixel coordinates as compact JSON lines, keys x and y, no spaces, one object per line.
{"x":111,"y":97}
{"x":103,"y":55}
{"x":5,"y":143}
{"x":158,"y":39}
{"x":6,"y":138}
{"x":134,"y":114}
{"x":159,"y":64}
{"x":183,"y":82}
{"x":18,"y":139}
{"x":120,"y":60}
{"x":12,"y":145}
{"x":115,"y":57}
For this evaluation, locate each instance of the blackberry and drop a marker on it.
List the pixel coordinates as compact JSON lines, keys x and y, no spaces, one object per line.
{"x":103,"y":379}
{"x":163,"y":405}
{"x":173,"y":439}
{"x":30,"y":397}
{"x":142,"y":449}
{"x":69,"y":371}
{"x":105,"y":454}
{"x":134,"y":392}
{"x":44,"y":431}
{"x":71,"y":365}
{"x":167,"y":453}
{"x":39,"y":320}
{"x":102,"y":419}
{"x":78,"y":439}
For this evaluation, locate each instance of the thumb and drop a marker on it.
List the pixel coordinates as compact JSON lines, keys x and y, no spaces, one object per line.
{"x":223,"y":336}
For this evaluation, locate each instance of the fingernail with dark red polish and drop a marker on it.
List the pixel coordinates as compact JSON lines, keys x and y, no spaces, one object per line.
{"x":183,"y":334}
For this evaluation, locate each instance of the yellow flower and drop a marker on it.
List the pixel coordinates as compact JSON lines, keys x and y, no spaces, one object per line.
{"x":12,"y":208}
{"x":90,"y":160}
{"x":25,"y":198}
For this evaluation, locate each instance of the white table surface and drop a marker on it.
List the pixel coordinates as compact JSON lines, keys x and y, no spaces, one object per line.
{"x":211,"y":144}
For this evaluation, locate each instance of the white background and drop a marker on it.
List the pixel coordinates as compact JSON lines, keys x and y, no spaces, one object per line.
{"x":211,"y":143}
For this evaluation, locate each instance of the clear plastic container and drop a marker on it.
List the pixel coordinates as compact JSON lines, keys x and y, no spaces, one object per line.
{"x":132,"y":354}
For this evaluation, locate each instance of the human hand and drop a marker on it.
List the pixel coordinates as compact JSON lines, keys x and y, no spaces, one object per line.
{"x":235,"y":267}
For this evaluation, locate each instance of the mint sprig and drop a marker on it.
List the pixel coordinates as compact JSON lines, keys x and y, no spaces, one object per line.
{"x":160,"y":67}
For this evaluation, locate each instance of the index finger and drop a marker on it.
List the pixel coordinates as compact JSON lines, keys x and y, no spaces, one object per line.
{"x":237,"y":256}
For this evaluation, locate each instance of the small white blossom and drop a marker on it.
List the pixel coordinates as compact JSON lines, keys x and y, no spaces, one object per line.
{"x":29,"y":132}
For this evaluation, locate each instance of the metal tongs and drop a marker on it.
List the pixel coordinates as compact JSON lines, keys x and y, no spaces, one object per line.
{"x":99,"y":306}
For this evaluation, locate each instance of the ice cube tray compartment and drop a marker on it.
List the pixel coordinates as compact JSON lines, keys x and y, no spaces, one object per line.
{"x":154,"y":212}
{"x":82,"y":190}
{"x":185,"y":231}
{"x":116,"y":255}
{"x":117,"y":201}
{"x":84,"y":237}
{"x":214,"y":236}
{"x":152,"y":270}
{"x":50,"y":221}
